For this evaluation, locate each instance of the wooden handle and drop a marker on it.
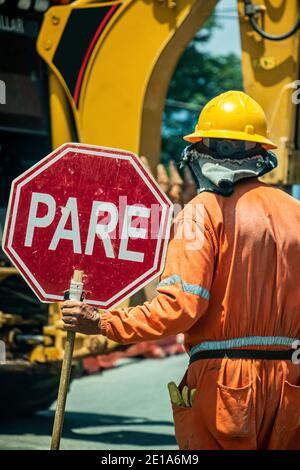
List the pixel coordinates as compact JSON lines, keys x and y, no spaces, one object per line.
{"x":76,"y":287}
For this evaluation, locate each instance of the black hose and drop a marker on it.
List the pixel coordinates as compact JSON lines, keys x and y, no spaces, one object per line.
{"x":251,"y":10}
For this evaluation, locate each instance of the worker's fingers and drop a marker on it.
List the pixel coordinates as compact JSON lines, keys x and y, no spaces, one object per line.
{"x":72,"y":312}
{"x":190,"y":188}
{"x":89,"y":312}
{"x":68,"y":320}
{"x":71,"y":303}
{"x":146,"y":163}
{"x":85,"y":319}
{"x":162,"y":177}
{"x":70,"y":328}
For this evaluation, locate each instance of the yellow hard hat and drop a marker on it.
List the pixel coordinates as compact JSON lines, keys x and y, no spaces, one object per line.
{"x":232,"y":115}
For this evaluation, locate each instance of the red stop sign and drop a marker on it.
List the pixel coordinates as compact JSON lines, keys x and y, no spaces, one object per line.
{"x":89,"y":208}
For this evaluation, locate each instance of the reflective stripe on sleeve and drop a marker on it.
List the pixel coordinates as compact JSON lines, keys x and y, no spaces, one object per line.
{"x":186,"y":286}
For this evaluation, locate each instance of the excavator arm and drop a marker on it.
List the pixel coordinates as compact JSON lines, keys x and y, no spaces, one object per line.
{"x":111,"y":63}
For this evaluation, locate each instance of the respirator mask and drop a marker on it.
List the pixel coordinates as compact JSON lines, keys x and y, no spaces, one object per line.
{"x":216,"y":164}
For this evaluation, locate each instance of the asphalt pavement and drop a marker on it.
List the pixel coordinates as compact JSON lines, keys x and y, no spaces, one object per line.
{"x":123,"y":408}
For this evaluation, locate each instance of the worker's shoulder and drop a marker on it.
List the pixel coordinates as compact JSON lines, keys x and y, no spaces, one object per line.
{"x":205,"y":198}
{"x":203,"y":208}
{"x":261,"y":201}
{"x":208,"y":202}
{"x":253,"y":193}
{"x":271,"y":194}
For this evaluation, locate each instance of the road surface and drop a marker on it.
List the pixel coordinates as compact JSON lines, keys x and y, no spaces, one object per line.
{"x":123,"y":408}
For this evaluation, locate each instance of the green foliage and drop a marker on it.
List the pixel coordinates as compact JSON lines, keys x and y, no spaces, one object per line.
{"x":199,"y":76}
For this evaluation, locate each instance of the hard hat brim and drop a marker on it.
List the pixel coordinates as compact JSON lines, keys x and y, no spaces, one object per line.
{"x":235,"y":135}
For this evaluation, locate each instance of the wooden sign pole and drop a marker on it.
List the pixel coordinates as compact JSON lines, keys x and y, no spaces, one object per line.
{"x":76,"y":288}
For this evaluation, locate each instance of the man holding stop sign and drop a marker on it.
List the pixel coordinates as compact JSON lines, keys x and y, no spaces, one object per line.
{"x":230,"y":283}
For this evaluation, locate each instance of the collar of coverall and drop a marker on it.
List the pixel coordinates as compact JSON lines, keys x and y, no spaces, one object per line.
{"x":218,"y":175}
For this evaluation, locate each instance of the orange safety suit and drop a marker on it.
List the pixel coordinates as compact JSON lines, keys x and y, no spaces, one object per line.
{"x":242,"y":285}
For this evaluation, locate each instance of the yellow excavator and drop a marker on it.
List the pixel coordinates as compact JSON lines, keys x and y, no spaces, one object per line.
{"x":98,"y":72}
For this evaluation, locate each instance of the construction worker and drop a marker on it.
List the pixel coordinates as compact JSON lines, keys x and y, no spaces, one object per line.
{"x":235,"y":294}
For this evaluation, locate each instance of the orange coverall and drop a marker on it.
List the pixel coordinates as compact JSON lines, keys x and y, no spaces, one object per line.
{"x":243,"y":282}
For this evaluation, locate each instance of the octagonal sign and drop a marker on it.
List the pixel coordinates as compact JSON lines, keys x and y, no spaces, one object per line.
{"x":89,"y":208}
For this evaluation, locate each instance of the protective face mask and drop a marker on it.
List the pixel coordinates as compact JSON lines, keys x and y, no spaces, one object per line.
{"x":219,"y":174}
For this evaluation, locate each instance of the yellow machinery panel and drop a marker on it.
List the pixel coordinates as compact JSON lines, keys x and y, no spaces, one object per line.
{"x":270,"y":69}
{"x":111,"y":63}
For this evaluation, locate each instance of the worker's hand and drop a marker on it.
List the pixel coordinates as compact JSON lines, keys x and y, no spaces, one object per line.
{"x":80,"y":317}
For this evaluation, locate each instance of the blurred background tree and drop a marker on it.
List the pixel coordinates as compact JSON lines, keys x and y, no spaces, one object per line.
{"x":199,"y":76}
